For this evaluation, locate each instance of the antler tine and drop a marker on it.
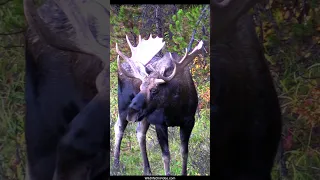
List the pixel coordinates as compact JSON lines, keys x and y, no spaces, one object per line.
{"x":145,"y":50}
{"x":188,"y":58}
{"x":183,"y":58}
{"x":126,"y":73}
{"x":136,"y":74}
{"x":129,"y":43}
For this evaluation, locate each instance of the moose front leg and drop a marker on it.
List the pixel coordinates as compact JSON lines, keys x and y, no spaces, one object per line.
{"x":142,"y":129}
{"x":185,"y":132}
{"x":119,"y":128}
{"x":162,"y":134}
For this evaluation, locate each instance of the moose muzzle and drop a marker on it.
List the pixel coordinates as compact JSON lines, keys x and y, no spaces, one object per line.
{"x":136,"y":108}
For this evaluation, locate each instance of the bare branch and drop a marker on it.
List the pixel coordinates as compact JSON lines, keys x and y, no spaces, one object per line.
{"x":194,"y":31}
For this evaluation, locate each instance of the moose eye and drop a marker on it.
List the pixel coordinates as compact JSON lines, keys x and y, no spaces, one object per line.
{"x":154,"y":91}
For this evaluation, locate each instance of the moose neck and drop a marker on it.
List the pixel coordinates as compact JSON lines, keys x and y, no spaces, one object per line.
{"x":239,"y":45}
{"x":238,"y":60}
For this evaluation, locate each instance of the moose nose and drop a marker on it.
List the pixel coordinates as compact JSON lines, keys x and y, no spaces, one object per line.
{"x":137,"y":102}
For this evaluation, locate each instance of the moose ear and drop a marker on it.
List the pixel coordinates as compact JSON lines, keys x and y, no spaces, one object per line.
{"x":159,"y":81}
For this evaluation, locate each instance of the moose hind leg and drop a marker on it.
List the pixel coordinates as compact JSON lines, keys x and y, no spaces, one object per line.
{"x":185,"y":132}
{"x":162,"y":134}
{"x":119,"y":128}
{"x":142,"y":129}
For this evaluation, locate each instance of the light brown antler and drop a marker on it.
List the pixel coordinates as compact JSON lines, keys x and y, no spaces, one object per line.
{"x":146,"y":49}
{"x":140,"y":55}
{"x":126,"y":73}
{"x":180,"y":65}
{"x":137,"y":73}
{"x":77,"y":13}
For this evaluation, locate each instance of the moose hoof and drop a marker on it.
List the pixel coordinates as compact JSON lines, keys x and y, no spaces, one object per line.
{"x":116,"y":164}
{"x":116,"y":168}
{"x":147,"y":172}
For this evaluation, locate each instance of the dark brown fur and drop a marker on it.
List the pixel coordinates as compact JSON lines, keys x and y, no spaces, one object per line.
{"x":245,"y":112}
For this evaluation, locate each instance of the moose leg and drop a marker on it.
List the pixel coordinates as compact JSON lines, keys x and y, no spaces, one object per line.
{"x":142,"y":129}
{"x":185,"y":132}
{"x":119,"y":128}
{"x":162,"y":134}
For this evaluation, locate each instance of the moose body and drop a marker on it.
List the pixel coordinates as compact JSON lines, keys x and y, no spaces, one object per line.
{"x":163,"y":97}
{"x":245,"y":112}
{"x":67,"y":107}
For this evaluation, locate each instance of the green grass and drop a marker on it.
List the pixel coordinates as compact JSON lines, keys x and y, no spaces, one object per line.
{"x":299,"y":95}
{"x":12,"y":146}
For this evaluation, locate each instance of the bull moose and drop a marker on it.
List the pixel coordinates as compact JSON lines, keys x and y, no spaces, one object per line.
{"x":159,"y":91}
{"x":67,"y":90}
{"x":245,"y":112}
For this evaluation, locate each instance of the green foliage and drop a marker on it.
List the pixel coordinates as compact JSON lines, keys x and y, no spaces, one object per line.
{"x":182,"y":26}
{"x":301,"y":30}
{"x":12,"y":144}
{"x":12,"y":16}
{"x":292,"y":46}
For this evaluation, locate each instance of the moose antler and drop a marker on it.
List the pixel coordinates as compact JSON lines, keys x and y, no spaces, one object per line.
{"x":146,"y":49}
{"x":140,"y":55}
{"x":180,"y":65}
{"x":77,"y":13}
{"x":135,"y":74}
{"x":137,"y":55}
